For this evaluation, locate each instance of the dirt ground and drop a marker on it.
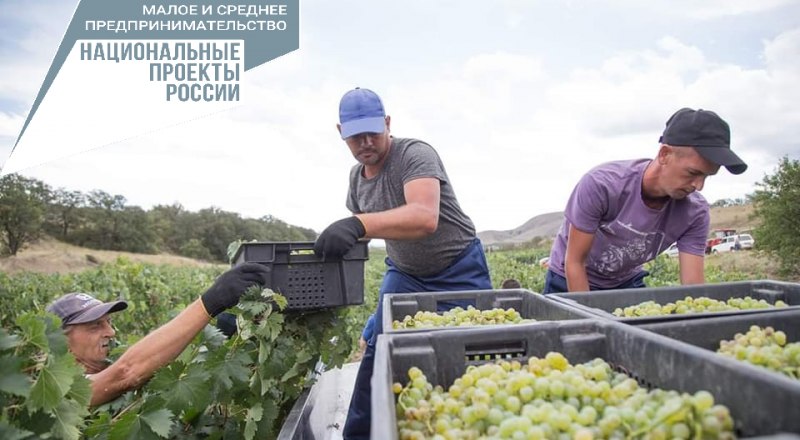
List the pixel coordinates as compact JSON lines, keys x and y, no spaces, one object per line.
{"x":52,"y":256}
{"x":733,"y":217}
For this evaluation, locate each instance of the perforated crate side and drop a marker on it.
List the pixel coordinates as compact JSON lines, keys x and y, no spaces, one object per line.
{"x":309,"y":282}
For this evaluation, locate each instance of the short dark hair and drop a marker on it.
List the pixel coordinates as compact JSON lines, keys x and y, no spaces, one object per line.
{"x":510,"y":283}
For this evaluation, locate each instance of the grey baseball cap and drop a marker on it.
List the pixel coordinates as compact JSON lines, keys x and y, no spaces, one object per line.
{"x":78,"y":308}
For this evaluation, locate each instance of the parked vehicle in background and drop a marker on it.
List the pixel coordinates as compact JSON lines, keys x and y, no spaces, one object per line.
{"x":733,"y":243}
{"x":746,"y":241}
{"x":718,"y":237}
{"x":671,"y":251}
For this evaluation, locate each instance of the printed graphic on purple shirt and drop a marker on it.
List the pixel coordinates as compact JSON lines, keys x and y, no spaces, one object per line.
{"x":607,"y":202}
{"x":623,"y":246}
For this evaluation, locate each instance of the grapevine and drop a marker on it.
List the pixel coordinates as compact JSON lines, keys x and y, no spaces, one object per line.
{"x":241,"y":387}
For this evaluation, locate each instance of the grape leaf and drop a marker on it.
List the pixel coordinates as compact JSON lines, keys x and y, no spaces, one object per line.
{"x":159,"y":421}
{"x":56,"y":341}
{"x":68,"y":417}
{"x":227,"y":369}
{"x":53,"y":383}
{"x":267,"y":424}
{"x":253,"y":416}
{"x":8,"y":432}
{"x":12,"y":381}
{"x":263,"y":351}
{"x":33,"y":330}
{"x":212,"y":337}
{"x":81,"y":390}
{"x":131,"y":427}
{"x":8,"y":340}
{"x":188,"y":390}
{"x":99,"y":425}
{"x":232,"y":248}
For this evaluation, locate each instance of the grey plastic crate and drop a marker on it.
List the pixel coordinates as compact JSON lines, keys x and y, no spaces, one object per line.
{"x":761,"y":403}
{"x":603,"y":302}
{"x":706,"y":333}
{"x":529,"y":305}
{"x":309,"y":282}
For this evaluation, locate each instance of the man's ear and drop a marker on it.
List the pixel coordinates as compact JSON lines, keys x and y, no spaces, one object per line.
{"x":388,"y":123}
{"x":339,"y":128}
{"x":663,"y":153}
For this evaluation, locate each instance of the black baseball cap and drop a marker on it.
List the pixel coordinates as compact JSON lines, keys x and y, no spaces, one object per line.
{"x":707,"y":133}
{"x":79,"y":308}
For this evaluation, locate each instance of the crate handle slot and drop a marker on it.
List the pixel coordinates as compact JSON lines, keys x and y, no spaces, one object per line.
{"x":493,"y":350}
{"x":771,"y":295}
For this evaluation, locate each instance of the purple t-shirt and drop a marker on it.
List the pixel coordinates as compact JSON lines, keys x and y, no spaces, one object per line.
{"x":607,"y":202}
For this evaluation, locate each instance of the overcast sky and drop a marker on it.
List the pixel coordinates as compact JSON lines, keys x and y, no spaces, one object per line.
{"x":519,"y":98}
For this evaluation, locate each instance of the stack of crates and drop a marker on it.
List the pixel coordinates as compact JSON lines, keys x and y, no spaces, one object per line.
{"x":760,"y":402}
{"x":673,"y":352}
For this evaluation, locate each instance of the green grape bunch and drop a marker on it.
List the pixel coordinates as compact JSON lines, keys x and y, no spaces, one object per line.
{"x":460,"y":317}
{"x":700,"y":304}
{"x":765,"y":347}
{"x":547,"y":398}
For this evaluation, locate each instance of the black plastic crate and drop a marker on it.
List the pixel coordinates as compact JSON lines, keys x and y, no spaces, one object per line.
{"x":529,"y":305}
{"x":760,"y":403}
{"x":309,"y":282}
{"x":603,"y":302}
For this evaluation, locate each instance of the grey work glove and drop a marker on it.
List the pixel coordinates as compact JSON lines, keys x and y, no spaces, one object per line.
{"x":229,"y":287}
{"x":339,"y":237}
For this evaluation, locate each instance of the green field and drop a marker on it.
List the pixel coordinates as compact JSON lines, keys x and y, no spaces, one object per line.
{"x":244,"y":386}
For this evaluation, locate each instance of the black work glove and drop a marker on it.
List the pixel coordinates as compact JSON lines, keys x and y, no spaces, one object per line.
{"x":339,"y":237}
{"x":229,"y":287}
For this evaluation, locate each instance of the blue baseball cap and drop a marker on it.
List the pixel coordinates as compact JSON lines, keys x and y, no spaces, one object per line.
{"x":361,"y":111}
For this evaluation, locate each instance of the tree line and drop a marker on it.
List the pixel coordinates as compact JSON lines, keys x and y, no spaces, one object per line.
{"x":31,"y":209}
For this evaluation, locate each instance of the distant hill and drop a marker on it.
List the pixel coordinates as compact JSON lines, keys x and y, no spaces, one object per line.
{"x":733,"y":217}
{"x":52,"y":256}
{"x":546,"y":226}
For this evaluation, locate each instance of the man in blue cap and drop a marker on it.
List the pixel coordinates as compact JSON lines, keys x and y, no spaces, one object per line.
{"x":624,"y":213}
{"x":400,"y":192}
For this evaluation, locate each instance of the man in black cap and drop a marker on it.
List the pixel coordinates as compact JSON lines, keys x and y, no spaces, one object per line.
{"x":87,"y":324}
{"x":624,"y":213}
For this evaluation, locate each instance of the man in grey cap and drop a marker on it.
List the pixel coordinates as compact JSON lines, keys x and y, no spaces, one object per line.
{"x":87,"y":325}
{"x":624,"y":213}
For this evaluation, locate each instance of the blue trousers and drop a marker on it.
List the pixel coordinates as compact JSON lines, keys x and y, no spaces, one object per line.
{"x":468,"y":272}
{"x":555,"y":283}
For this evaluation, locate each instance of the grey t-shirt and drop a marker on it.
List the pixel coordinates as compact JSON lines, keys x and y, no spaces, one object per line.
{"x":410,"y":159}
{"x":607,"y":202}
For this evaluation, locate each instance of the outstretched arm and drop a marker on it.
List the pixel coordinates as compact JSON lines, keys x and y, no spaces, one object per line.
{"x":138,"y":364}
{"x":140,"y":361}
